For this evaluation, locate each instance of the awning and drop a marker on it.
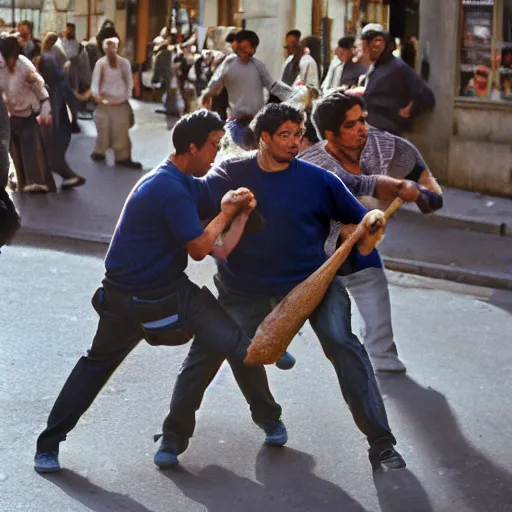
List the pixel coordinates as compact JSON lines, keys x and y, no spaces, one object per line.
{"x":23,"y":4}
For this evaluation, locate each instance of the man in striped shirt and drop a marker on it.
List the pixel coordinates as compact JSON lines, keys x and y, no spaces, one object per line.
{"x":376,"y":164}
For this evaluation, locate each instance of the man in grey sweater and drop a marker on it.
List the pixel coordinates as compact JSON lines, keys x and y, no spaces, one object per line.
{"x":245,"y":78}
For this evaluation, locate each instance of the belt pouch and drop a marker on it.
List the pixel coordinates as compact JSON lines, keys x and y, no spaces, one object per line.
{"x":161,"y":320}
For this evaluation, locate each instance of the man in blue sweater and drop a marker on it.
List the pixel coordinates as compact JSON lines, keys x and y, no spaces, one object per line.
{"x":146,"y":293}
{"x":297,"y":201}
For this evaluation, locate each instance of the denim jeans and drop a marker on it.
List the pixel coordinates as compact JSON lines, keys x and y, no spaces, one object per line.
{"x":331,"y":322}
{"x":117,"y":335}
{"x":202,"y":364}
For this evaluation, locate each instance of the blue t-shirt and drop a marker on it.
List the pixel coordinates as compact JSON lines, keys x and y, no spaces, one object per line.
{"x":298,"y":204}
{"x":159,"y":217}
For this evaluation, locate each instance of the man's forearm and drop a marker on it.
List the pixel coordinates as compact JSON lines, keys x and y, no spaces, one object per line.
{"x":225,"y":243}
{"x":387,"y":188}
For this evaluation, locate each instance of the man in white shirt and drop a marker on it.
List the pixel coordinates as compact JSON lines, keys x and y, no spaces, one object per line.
{"x":299,"y":67}
{"x":343,"y":71}
{"x":111,"y":87}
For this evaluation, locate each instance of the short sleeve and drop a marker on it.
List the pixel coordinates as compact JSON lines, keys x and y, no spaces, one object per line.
{"x":345,"y":207}
{"x":181,"y":216}
{"x":407,"y":152}
{"x":211,"y":189}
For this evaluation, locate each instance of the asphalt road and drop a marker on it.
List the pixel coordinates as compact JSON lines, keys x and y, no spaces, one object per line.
{"x":451,"y":413}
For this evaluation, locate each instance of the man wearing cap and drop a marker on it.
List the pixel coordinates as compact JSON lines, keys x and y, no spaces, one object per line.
{"x":111,"y":87}
{"x":394,"y":93}
{"x":343,"y":71}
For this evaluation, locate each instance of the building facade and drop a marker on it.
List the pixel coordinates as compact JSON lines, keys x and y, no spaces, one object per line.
{"x":467,"y":139}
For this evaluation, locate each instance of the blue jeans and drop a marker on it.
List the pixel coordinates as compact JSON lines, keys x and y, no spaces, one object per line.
{"x":331,"y":322}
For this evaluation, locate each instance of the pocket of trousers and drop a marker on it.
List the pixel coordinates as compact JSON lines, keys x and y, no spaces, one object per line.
{"x":161,"y":320}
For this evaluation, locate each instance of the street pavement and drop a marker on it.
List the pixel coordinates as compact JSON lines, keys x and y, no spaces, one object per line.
{"x":450,"y":413}
{"x":469,"y":240}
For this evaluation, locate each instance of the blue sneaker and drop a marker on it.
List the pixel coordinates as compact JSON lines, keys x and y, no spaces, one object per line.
{"x":287,"y":362}
{"x":47,"y":462}
{"x":166,"y":457}
{"x":275,"y":431}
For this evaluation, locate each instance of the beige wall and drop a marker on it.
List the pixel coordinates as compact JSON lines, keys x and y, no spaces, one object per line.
{"x":210,"y":13}
{"x":271,"y":22}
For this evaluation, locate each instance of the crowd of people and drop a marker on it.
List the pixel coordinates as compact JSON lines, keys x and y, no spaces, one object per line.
{"x":46,"y":85}
{"x":269,"y":179}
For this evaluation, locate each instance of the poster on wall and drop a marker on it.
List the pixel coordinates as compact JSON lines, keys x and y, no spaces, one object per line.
{"x":477,"y":34}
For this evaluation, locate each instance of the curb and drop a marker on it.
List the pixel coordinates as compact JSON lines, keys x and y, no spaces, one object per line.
{"x":449,"y":273}
{"x":420,"y":268}
{"x":454,"y":221}
{"x":88,"y":237}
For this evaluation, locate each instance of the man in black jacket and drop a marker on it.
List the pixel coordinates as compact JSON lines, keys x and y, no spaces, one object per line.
{"x":394,"y":93}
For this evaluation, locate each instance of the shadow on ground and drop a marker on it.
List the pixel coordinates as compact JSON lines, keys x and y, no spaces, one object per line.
{"x":285,"y":482}
{"x":91,"y":496}
{"x":478,"y":483}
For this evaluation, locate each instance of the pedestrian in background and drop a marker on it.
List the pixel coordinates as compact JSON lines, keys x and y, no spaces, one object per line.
{"x":57,"y":135}
{"x":394,"y":93}
{"x":112,"y":85}
{"x":344,"y":70}
{"x":245,"y":77}
{"x":26,"y":99}
{"x":299,"y":66}
{"x":30,"y":47}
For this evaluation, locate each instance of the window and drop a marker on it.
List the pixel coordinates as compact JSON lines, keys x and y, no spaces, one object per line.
{"x":486,"y":49}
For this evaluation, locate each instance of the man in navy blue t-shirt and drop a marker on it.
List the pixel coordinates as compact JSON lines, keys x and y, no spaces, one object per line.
{"x":146,"y":293}
{"x":297,"y":201}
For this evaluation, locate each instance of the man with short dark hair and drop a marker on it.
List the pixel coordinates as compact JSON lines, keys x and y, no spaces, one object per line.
{"x":299,"y":67}
{"x":380,"y":165}
{"x":69,"y":43}
{"x":298,"y":201}
{"x":30,"y":48}
{"x":343,"y":71}
{"x":245,"y":78}
{"x":147,"y":295}
{"x":394,"y":93}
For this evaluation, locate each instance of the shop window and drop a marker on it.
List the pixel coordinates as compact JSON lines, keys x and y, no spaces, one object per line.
{"x":486,"y":49}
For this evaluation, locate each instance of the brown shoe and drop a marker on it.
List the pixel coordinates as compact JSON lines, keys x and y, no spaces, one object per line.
{"x":97,"y":157}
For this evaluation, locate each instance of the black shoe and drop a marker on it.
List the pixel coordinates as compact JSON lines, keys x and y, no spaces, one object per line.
{"x":75,"y":128}
{"x":47,"y":462}
{"x":76,"y":181}
{"x":130,"y":164}
{"x":97,"y":157}
{"x":387,"y":458}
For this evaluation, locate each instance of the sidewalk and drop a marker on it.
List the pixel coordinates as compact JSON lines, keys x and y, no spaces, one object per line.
{"x":469,"y":240}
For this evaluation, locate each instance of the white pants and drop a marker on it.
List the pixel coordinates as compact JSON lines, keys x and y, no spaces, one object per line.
{"x":369,"y":289}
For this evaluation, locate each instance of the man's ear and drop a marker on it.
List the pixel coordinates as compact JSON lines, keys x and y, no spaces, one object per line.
{"x":329,"y":135}
{"x":192,"y":148}
{"x":265,"y":138}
